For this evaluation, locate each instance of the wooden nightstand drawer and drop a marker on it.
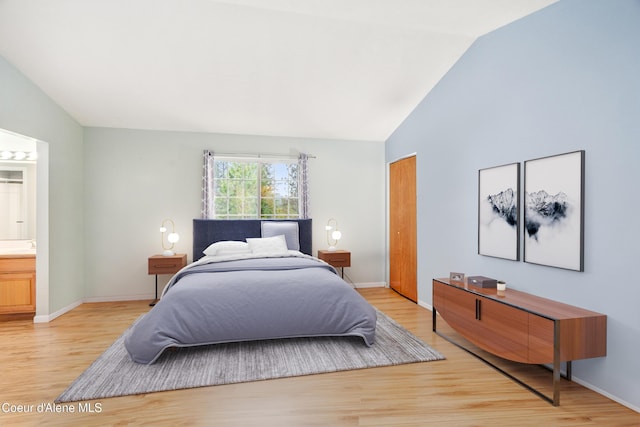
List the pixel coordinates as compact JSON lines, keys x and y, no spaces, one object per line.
{"x":160,"y":264}
{"x":337,"y":258}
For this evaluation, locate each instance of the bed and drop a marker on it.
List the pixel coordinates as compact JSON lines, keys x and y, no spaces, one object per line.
{"x":250,"y":280}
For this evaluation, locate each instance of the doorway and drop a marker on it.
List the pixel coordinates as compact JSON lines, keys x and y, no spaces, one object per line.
{"x":36,"y":221}
{"x":13,"y":206}
{"x":403,"y":266}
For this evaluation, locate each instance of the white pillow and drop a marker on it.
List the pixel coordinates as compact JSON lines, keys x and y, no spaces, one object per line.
{"x":227,"y":247}
{"x":288,"y":228}
{"x":276,"y":245}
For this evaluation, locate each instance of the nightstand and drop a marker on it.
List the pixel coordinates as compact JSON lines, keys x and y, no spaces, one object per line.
{"x":160,"y":264}
{"x":337,"y":258}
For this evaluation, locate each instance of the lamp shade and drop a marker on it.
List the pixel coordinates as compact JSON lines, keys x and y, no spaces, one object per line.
{"x":171,"y":238}
{"x":333,"y":234}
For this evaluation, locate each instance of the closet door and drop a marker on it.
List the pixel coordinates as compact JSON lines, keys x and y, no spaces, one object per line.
{"x":402,"y":228}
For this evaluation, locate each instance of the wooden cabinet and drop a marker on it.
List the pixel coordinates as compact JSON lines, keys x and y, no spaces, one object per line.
{"x":521,"y":327}
{"x":491,"y":326}
{"x":504,"y":331}
{"x":17,"y":287}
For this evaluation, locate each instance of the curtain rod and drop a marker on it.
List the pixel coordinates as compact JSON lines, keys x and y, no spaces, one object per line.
{"x":259,"y":155}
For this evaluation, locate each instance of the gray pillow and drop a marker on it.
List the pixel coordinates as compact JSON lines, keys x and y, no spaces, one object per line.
{"x":287,"y":228}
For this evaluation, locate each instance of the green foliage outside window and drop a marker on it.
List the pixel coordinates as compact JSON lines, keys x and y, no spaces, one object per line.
{"x":255,"y":189}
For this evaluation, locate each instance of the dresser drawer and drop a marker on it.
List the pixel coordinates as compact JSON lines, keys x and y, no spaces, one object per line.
{"x":160,"y":264}
{"x":18,"y":264}
{"x":336,"y":258}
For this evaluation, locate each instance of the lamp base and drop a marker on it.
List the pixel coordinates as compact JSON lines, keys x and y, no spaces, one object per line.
{"x":331,"y":248}
{"x":168,"y":253}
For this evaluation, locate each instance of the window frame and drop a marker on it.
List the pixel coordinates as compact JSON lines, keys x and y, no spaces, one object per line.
{"x":258,"y":212}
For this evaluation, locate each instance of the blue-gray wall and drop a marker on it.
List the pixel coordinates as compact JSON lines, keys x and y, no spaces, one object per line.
{"x":563,"y":79}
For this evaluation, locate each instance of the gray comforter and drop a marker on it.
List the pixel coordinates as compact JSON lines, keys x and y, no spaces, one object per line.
{"x":215,"y":301}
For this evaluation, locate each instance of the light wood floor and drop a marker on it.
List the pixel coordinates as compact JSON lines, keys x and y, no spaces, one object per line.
{"x":37,"y":362}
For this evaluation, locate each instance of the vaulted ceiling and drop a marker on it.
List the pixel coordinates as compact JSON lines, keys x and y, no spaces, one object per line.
{"x":345,"y":69}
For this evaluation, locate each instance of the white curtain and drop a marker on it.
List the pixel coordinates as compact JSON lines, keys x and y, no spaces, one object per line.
{"x":207,"y":210}
{"x":303,"y":186}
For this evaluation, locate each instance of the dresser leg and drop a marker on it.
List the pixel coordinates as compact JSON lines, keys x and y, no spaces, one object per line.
{"x":433,"y":318}
{"x":556,"y":364}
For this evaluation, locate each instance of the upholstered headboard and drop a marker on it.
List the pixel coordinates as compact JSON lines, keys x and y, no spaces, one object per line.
{"x":208,"y":231}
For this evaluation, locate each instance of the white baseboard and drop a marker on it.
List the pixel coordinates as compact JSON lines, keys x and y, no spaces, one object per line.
{"x":115,"y":298}
{"x":49,"y":317}
{"x":46,"y":318}
{"x":369,"y":285}
{"x":425,"y":305}
{"x":604,"y":393}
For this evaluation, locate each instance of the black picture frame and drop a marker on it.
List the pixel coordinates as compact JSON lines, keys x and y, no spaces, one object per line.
{"x":499,"y":211}
{"x":554,"y":211}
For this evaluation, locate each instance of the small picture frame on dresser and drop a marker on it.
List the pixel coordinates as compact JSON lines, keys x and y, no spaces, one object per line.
{"x":456,"y":277}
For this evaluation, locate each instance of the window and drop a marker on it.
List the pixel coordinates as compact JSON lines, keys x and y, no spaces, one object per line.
{"x":255,"y":188}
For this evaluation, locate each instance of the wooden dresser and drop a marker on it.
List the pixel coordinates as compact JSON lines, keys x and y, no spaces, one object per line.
{"x":521,"y":327}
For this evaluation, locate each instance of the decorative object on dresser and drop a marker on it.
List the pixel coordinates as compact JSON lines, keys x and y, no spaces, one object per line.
{"x":172,"y":237}
{"x":333,"y":234}
{"x":554,"y":211}
{"x":456,"y":277}
{"x":337,"y":258}
{"x":499,"y":211}
{"x":165,"y":264}
{"x":520,"y":327}
{"x":482,"y":282}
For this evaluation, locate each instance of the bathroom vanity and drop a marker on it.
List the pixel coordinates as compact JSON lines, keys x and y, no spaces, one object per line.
{"x":17,"y":286}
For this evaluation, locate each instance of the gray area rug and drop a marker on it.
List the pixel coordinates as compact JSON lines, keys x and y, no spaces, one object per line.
{"x":114,"y":374}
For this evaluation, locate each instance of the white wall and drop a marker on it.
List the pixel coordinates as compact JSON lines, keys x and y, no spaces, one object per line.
{"x":26,"y":110}
{"x":133,"y":179}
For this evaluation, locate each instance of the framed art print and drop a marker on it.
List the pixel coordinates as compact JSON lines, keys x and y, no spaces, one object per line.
{"x":554,"y":211}
{"x":499,"y":211}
